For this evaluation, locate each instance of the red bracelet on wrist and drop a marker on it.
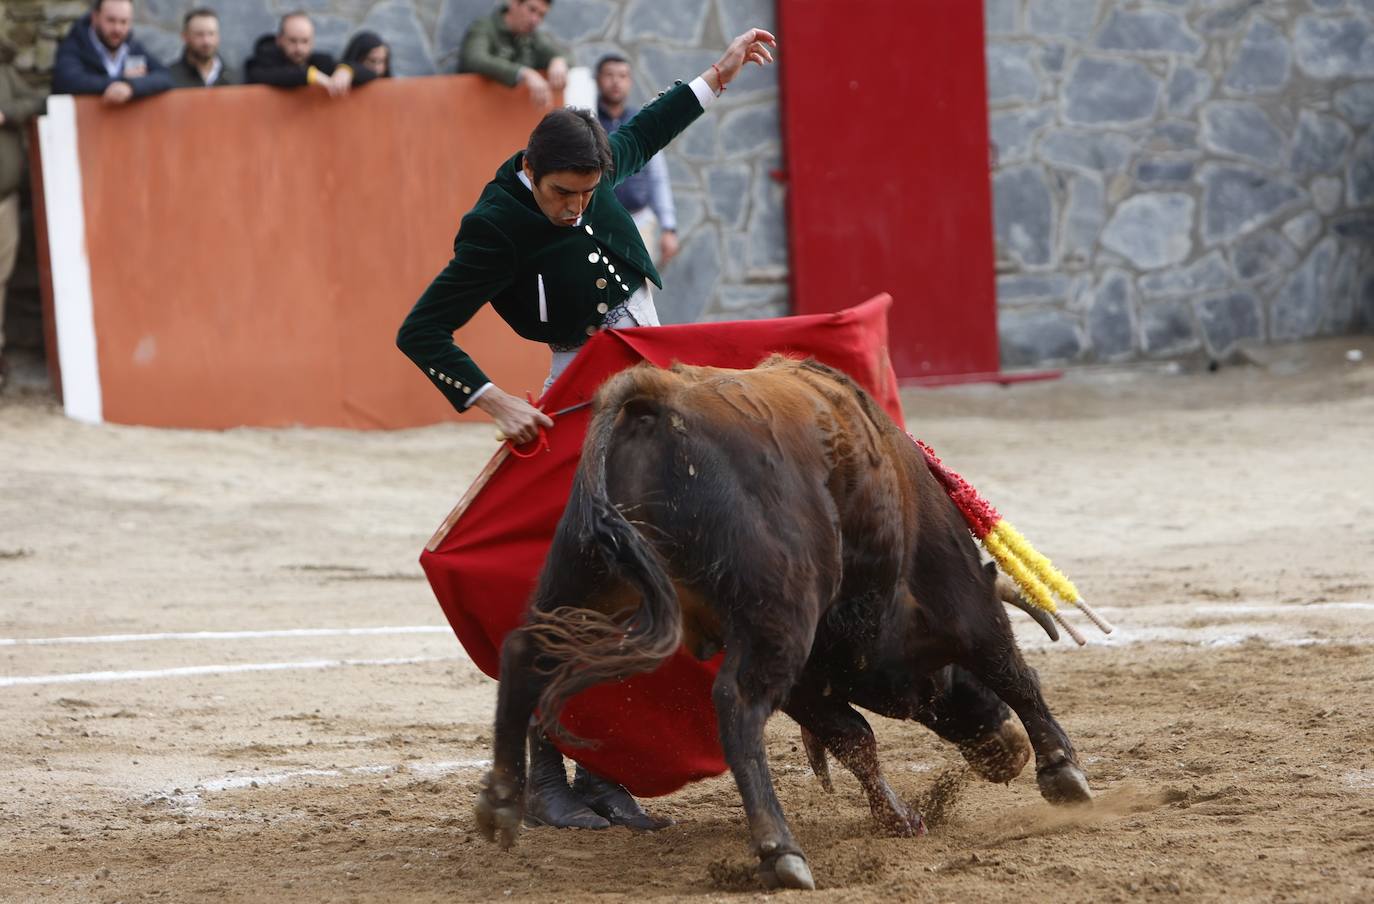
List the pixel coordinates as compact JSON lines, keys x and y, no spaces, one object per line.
{"x":720,"y":78}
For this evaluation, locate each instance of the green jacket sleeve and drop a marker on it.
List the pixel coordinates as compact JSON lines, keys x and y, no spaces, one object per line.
{"x":546,"y":47}
{"x":634,"y":144}
{"x":483,"y":264}
{"x":479,"y":55}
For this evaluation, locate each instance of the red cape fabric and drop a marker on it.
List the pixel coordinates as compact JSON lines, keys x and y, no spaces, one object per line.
{"x":653,"y":733}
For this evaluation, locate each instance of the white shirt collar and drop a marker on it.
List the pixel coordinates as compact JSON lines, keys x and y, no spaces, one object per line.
{"x":113,"y":60}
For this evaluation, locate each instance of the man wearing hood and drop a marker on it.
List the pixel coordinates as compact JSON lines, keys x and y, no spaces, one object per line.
{"x":100,"y":56}
{"x":200,"y":65}
{"x":288,"y":59}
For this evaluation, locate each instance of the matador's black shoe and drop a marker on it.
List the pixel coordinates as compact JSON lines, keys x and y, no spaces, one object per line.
{"x":614,"y":803}
{"x":548,"y":799}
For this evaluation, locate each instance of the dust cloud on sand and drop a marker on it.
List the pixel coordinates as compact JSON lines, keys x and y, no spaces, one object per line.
{"x":224,"y":677}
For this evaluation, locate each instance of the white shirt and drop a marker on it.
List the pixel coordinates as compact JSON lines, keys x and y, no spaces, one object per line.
{"x":113,"y":60}
{"x":216,"y":70}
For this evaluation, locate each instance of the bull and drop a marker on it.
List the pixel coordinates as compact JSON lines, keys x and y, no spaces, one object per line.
{"x":780,"y":516}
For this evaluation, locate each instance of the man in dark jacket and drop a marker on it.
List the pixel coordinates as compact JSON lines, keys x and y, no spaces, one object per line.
{"x":100,"y":56}
{"x":200,"y":65}
{"x":288,"y":60}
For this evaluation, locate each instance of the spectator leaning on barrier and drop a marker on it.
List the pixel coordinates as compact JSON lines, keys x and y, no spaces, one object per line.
{"x":18,"y":104}
{"x":509,"y":47}
{"x":100,"y":56}
{"x":367,"y":50}
{"x":647,"y":195}
{"x":288,"y":59}
{"x":200,"y":65}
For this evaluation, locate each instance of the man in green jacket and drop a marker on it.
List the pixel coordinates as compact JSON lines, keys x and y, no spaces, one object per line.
{"x":559,"y":258}
{"x":18,"y":104}
{"x":509,"y":47}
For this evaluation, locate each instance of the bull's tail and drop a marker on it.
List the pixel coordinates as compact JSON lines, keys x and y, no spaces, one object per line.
{"x":584,"y":647}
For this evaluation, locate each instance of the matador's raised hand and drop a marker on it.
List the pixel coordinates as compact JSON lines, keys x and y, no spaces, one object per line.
{"x":750,"y":47}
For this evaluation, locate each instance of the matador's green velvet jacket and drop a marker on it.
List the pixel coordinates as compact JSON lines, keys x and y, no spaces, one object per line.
{"x":550,"y":283}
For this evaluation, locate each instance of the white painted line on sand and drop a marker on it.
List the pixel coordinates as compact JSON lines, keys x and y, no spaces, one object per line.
{"x":1360,"y":778}
{"x":224,"y":635}
{"x":185,"y":671}
{"x":425,"y":770}
{"x":1204,"y":638}
{"x":192,"y":799}
{"x":1290,"y":609}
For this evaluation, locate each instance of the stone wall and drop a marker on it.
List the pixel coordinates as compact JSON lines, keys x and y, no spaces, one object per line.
{"x":1173,"y":176}
{"x":733,"y":262}
{"x":1177,"y":176}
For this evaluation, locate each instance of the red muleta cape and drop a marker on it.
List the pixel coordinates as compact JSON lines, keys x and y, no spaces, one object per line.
{"x":653,"y":733}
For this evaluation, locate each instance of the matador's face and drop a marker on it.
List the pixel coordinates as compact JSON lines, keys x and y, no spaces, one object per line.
{"x":563,"y":195}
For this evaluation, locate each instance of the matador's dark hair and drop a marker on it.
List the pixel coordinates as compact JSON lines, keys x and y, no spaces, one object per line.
{"x":568,"y":139}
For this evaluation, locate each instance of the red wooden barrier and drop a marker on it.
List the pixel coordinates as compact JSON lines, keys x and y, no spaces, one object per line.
{"x":252,"y":251}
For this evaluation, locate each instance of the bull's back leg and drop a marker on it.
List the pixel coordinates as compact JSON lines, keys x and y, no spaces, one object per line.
{"x":754,"y":678}
{"x":501,"y":802}
{"x":847,"y":735}
{"x":525,"y":673}
{"x":967,"y":622}
{"x":1060,"y":778}
{"x":961,"y":709}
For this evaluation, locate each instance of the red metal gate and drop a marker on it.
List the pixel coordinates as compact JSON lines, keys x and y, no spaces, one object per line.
{"x":886,"y":136}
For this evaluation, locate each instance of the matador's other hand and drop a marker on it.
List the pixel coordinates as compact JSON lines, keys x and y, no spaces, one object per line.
{"x":518,"y":420}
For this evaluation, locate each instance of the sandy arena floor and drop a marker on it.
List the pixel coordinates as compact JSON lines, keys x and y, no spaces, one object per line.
{"x":222,"y":676}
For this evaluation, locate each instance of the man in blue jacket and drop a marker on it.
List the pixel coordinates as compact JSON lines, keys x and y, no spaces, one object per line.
{"x":100,"y":56}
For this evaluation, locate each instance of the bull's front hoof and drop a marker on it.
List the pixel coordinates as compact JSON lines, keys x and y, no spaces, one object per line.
{"x":1000,"y":756}
{"x":1063,"y":783}
{"x":787,"y":871}
{"x":498,"y":811}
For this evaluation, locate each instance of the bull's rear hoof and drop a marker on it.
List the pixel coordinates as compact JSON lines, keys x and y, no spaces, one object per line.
{"x":787,"y":871}
{"x":1063,"y":783}
{"x":498,"y":813}
{"x":1000,"y":756}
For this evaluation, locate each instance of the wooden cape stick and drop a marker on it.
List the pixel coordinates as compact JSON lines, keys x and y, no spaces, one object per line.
{"x":471,"y":494}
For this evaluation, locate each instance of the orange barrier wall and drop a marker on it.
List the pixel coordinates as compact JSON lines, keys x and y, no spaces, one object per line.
{"x":252,"y":251}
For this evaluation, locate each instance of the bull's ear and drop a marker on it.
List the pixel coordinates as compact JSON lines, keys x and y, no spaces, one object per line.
{"x":990,"y":569}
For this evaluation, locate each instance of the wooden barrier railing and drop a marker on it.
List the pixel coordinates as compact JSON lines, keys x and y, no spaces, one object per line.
{"x":250,"y":252}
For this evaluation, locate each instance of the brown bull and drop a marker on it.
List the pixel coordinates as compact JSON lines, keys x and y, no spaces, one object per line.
{"x":777,"y":514}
